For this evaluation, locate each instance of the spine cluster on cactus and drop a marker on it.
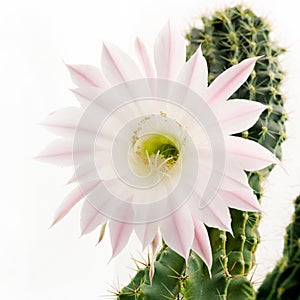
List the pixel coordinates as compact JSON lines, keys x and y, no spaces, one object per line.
{"x":165,"y":285}
{"x":226,"y":38}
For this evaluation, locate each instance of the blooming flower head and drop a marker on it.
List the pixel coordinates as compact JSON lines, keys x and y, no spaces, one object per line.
{"x":152,"y":146}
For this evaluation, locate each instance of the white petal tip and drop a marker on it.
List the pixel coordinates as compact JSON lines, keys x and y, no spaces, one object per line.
{"x":209,"y":272}
{"x":52,"y":224}
{"x":111,"y":258}
{"x":258,"y":209}
{"x":274,"y":160}
{"x":230,"y":231}
{"x":105,"y":45}
{"x":254,"y":58}
{"x":259,"y":57}
{"x":280,"y":164}
{"x":138,"y":40}
{"x":41,"y":158}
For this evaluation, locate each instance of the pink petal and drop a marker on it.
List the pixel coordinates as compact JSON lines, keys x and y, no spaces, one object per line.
{"x":229,"y":81}
{"x":91,"y":218}
{"x":238,"y":180}
{"x":233,"y":175}
{"x":201,"y":244}
{"x":152,"y":269}
{"x":84,"y":173}
{"x":178,"y":231}
{"x":104,"y":170}
{"x":63,"y":122}
{"x":216,"y":214}
{"x":155,"y":243}
{"x":146,"y":233}
{"x":119,"y":236}
{"x":154,"y":246}
{"x":230,"y":175}
{"x":58,"y":152}
{"x":249,"y":154}
{"x":169,"y":52}
{"x":194,"y":73}
{"x":85,"y":95}
{"x":144,"y":59}
{"x":242,"y":199}
{"x":61,"y":152}
{"x":238,"y":115}
{"x":87,"y":76}
{"x":235,"y":178}
{"x":118,"y":66}
{"x":72,"y":199}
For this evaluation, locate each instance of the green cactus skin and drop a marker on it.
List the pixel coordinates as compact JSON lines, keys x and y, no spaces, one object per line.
{"x":166,"y":281}
{"x":197,"y":283}
{"x":283,"y":283}
{"x":227,"y":38}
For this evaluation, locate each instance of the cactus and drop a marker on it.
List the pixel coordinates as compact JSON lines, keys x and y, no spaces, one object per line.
{"x":227,"y":38}
{"x":283,"y":281}
{"x":165,"y":284}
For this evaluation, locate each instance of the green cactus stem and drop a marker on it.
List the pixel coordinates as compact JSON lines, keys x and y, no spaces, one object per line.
{"x":283,"y":283}
{"x":165,"y":284}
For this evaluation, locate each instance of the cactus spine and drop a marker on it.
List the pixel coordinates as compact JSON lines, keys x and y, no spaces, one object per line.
{"x":226,"y":38}
{"x":165,"y":284}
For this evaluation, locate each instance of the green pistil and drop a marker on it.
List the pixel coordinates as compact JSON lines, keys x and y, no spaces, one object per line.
{"x":154,"y":143}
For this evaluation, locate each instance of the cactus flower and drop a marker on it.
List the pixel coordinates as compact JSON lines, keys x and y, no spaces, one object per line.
{"x":153,"y":157}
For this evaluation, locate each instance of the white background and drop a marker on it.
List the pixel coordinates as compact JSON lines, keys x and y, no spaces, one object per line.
{"x":36,"y":36}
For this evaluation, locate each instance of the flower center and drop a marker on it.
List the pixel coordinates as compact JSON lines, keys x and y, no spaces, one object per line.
{"x":157,"y":152}
{"x":154,"y":154}
{"x":156,"y":148}
{"x":158,"y":144}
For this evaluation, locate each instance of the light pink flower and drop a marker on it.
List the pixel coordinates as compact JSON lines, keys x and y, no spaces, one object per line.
{"x":184,"y":228}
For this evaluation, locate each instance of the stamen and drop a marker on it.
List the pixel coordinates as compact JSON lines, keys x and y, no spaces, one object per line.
{"x":164,"y":162}
{"x":149,"y":161}
{"x":153,"y":163}
{"x":156,"y":158}
{"x":164,"y":173}
{"x":155,"y":152}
